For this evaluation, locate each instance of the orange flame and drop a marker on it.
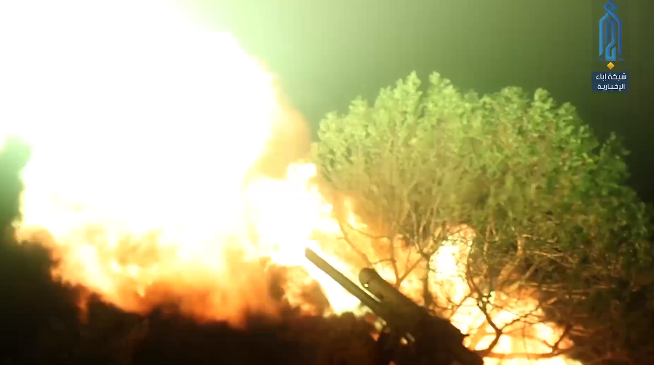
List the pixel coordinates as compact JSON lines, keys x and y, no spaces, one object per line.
{"x":150,"y":178}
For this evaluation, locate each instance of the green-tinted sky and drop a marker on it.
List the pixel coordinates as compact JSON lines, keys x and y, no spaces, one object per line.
{"x":328,"y":51}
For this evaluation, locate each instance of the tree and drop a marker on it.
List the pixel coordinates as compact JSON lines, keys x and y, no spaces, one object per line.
{"x":551,"y":215}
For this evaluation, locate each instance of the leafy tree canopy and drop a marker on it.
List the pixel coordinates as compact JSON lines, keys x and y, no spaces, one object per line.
{"x":547,"y":201}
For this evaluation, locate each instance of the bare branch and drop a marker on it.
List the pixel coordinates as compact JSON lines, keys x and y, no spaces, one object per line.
{"x":354,"y":248}
{"x":409,"y":269}
{"x":518,"y":355}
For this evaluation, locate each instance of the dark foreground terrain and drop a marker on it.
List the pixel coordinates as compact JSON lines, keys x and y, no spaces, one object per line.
{"x":42,"y":324}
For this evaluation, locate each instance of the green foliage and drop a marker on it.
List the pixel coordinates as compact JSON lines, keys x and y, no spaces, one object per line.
{"x":548,"y":202}
{"x":396,"y":153}
{"x":515,"y":165}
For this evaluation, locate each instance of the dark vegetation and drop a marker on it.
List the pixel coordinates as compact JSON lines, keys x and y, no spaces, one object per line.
{"x":41,"y":323}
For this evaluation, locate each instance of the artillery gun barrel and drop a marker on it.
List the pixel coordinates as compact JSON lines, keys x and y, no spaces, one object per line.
{"x":432,"y":336}
{"x":346,"y":283}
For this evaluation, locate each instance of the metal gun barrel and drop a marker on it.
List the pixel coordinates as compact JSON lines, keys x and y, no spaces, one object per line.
{"x":401,"y":313}
{"x":387,"y":293}
{"x":346,"y":283}
{"x":407,"y":311}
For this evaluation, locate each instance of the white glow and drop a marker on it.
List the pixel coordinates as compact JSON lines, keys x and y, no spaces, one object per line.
{"x":129,"y":96}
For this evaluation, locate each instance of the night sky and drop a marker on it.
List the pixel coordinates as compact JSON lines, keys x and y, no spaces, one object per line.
{"x":328,"y":52}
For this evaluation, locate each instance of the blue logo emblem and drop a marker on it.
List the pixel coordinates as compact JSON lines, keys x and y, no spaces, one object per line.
{"x":610,"y":34}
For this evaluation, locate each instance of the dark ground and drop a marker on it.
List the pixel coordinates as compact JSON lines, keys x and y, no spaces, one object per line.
{"x":42,"y":324}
